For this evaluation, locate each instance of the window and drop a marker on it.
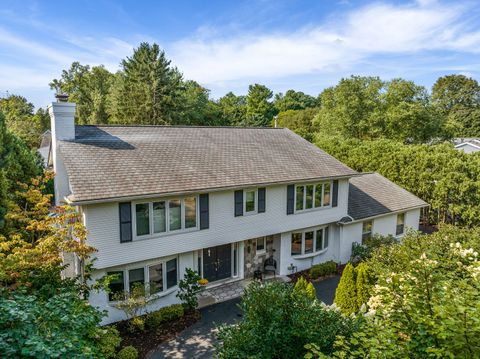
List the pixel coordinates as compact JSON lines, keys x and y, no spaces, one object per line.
{"x":261,"y":245}
{"x":296,"y":244}
{"x":155,"y":274}
{"x":142,"y":219}
{"x":166,"y":216}
{"x":312,"y":196}
{"x":159,"y":215}
{"x":250,"y":201}
{"x":116,"y":286}
{"x":310,"y":241}
{"x":190,"y":212}
{"x":136,"y":277}
{"x":172,"y":273}
{"x":400,"y":224}
{"x":366,"y":230}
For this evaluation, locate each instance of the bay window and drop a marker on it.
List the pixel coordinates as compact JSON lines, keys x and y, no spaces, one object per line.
{"x":136,"y":277}
{"x":155,"y":274}
{"x":116,"y":286}
{"x":310,"y":241}
{"x":311,"y":196}
{"x":296,"y":243}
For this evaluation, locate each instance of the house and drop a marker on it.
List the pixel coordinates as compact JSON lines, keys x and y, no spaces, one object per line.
{"x":468,"y":145}
{"x":221,"y":200}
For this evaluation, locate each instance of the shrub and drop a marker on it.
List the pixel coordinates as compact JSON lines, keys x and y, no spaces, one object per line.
{"x":302,"y":287}
{"x":278,"y":323}
{"x":362,"y":284}
{"x":132,"y":304}
{"x":188,"y":289}
{"x":128,"y":353}
{"x":346,"y":294}
{"x":323,"y":269}
{"x":165,"y":314}
{"x":108,"y":340}
{"x":361,"y":252}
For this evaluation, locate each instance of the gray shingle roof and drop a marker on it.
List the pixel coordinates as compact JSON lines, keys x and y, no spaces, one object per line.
{"x":106,"y":162}
{"x":371,"y":195}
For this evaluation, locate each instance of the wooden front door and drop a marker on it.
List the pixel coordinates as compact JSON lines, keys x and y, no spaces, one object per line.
{"x":217,"y":262}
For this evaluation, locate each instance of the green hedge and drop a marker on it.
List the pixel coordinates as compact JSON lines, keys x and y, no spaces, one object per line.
{"x":323,"y":269}
{"x":128,"y":353}
{"x":165,"y":314}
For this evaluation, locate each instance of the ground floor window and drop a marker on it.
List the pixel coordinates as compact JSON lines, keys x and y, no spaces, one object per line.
{"x":261,"y":245}
{"x":366,"y":230}
{"x":154,"y":278}
{"x":309,"y":241}
{"x":400,"y":224}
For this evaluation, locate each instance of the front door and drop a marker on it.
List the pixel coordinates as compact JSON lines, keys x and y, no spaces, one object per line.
{"x":217,"y":262}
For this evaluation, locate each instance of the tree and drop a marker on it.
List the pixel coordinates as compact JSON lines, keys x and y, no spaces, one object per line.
{"x":147,"y":90}
{"x":233,"y":109}
{"x":305,"y":288}
{"x":199,"y":109}
{"x":458,"y":98}
{"x":293,"y":100}
{"x":260,"y":110}
{"x":299,"y":121}
{"x":188,"y":289}
{"x":363,"y":284}
{"x":346,"y":293}
{"x":89,"y":89}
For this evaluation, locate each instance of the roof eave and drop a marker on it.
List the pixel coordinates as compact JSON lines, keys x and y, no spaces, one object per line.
{"x":384,"y":214}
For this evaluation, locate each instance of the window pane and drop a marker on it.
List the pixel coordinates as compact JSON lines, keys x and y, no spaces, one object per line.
{"x":156,"y":278}
{"x":116,"y":286}
{"x":175,"y":213}
{"x":142,"y":216}
{"x":367,"y":227}
{"x":172,"y":273}
{"x":319,"y":240}
{"x":325,"y":239}
{"x":299,"y":205}
{"x":136,"y":277}
{"x":400,"y":223}
{"x":296,"y":243}
{"x":308,"y":242}
{"x":326,"y":194}
{"x":260,"y":244}
{"x":309,"y":196}
{"x":318,"y":195}
{"x":159,"y":224}
{"x":249,"y":201}
{"x":190,"y":212}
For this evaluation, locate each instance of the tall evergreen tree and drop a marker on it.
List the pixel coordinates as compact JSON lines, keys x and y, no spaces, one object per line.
{"x":147,"y":90}
{"x":346,"y":293}
{"x":233,"y":109}
{"x":293,"y":100}
{"x":260,"y":110}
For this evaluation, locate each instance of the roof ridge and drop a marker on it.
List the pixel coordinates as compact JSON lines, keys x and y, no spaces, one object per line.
{"x":185,"y":126}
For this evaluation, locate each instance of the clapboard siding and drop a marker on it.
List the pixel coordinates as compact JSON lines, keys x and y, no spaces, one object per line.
{"x":103,"y":225}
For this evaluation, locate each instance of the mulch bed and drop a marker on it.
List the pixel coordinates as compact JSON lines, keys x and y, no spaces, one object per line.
{"x":306,"y":274}
{"x":150,"y":339}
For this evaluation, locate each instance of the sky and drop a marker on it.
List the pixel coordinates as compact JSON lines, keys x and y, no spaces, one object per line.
{"x":227,"y":45}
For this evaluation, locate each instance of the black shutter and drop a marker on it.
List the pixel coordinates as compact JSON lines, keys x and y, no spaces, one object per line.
{"x":290,"y":198}
{"x":261,"y":199}
{"x":204,"y":218}
{"x":125,"y":215}
{"x":239,"y":203}
{"x":335,"y":194}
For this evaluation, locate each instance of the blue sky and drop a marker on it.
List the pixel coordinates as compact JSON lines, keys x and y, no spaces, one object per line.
{"x":225,"y":46}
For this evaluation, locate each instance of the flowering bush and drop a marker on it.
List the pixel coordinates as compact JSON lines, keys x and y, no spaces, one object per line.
{"x":203,"y":281}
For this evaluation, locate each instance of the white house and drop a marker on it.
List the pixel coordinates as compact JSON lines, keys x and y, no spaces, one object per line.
{"x":221,"y":200}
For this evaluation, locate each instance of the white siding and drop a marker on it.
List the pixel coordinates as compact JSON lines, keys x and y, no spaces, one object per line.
{"x":102,"y":223}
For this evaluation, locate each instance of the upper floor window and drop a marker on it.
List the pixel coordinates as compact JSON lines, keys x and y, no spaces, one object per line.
{"x":165,"y":216}
{"x":366,"y":230}
{"x":400,"y":224}
{"x":309,"y":241}
{"x":250,"y":201}
{"x":310,"y":196}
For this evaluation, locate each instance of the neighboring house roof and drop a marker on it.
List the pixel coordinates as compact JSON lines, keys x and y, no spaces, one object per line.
{"x":371,"y":195}
{"x":108,"y":162}
{"x":473,"y":143}
{"x":44,"y":148}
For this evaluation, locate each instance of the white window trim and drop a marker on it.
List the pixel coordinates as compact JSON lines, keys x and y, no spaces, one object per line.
{"x":255,"y":211}
{"x":371,"y":228}
{"x":264,"y":250}
{"x":146,"y":276}
{"x":151,"y":234}
{"x":315,"y":251}
{"x":313,"y":200}
{"x":404,"y":224}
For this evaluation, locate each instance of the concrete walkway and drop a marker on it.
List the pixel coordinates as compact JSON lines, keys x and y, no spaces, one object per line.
{"x":198,"y":340}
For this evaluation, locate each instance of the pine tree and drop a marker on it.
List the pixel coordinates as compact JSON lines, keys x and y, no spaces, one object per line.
{"x":346,"y":294}
{"x":362,"y":284}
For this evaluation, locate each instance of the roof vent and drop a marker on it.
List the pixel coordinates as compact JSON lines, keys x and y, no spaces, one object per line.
{"x":61,"y":97}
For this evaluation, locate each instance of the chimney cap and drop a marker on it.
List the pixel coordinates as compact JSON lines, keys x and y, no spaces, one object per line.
{"x":61,"y":97}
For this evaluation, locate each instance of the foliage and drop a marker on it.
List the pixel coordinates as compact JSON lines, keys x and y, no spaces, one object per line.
{"x":108,"y":340}
{"x":188,"y":289}
{"x":323,"y":269}
{"x":458,"y":98}
{"x":439,"y":174}
{"x":62,"y":325}
{"x":203,"y":281}
{"x":361,"y":252}
{"x":165,"y":314}
{"x":294,"y":100}
{"x":299,"y":121}
{"x":132,"y":303}
{"x":128,"y":353}
{"x":363,"y":282}
{"x":233,"y":109}
{"x":346,"y":293}
{"x":260,"y":110}
{"x":425,"y":302}
{"x":305,"y":288}
{"x":281,"y":330}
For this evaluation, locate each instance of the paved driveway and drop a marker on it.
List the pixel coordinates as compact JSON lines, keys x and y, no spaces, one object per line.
{"x":198,"y":340}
